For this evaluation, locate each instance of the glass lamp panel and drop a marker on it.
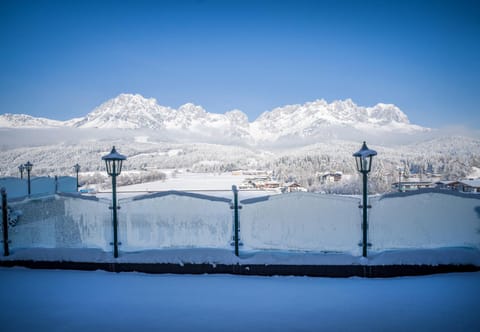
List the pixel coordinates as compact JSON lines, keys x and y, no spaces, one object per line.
{"x":370,"y":158}
{"x":366,"y":163}
{"x":114,"y":167}
{"x":108,"y":166}
{"x":357,"y":161}
{"x":119,"y":167}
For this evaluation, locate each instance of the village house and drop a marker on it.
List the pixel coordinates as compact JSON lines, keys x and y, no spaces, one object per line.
{"x":469,"y":186}
{"x":331,"y":177}
{"x":445,"y":184}
{"x":293,"y":187}
{"x":251,"y":172}
{"x":271,"y":184}
{"x":267,"y":183}
{"x":411,"y":185}
{"x":257,"y":182}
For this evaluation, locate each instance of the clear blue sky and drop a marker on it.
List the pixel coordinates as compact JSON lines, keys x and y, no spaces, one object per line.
{"x":60,"y":59}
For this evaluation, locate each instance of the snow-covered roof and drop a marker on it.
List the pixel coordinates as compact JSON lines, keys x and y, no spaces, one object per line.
{"x":446,"y":182}
{"x":415,"y":181}
{"x":471,"y":183}
{"x":332,"y":173}
{"x":292,"y":184}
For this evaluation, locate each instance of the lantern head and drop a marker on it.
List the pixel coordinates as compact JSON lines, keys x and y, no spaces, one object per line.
{"x":28,"y":166}
{"x":363,"y":158}
{"x":113,"y":162}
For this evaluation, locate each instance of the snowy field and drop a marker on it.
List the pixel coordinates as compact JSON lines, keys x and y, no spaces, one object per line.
{"x":189,"y":181}
{"x":46,"y":300}
{"x":214,"y":184}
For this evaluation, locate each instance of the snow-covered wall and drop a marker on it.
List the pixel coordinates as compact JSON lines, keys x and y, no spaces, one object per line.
{"x":301,"y":221}
{"x":175,"y":219}
{"x":425,"y":219}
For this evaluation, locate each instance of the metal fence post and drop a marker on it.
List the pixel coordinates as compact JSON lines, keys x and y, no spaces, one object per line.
{"x":365,"y":220}
{"x":115,"y":220}
{"x":6,"y":251}
{"x":235,"y":217}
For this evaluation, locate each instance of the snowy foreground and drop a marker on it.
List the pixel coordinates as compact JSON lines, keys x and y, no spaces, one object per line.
{"x":46,"y":300}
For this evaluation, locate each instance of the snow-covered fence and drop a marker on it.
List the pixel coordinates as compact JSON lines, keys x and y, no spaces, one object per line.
{"x":295,"y":221}
{"x":42,"y":186}
{"x":15,"y":187}
{"x":62,"y":221}
{"x":175,"y":219}
{"x":39,"y":186}
{"x":301,"y":221}
{"x":66,"y":184}
{"x":425,"y":219}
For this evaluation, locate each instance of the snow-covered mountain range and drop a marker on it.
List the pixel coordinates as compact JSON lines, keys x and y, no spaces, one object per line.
{"x":26,"y":121}
{"x":128,"y":111}
{"x":296,"y":142}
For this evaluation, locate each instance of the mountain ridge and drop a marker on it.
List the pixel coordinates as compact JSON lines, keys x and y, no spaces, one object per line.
{"x":133,"y":111}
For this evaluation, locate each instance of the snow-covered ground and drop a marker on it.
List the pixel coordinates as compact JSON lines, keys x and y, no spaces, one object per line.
{"x":46,"y":300}
{"x":440,"y":256}
{"x":215,"y":184}
{"x":187,"y":181}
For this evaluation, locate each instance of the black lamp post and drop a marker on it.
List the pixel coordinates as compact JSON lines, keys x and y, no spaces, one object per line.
{"x":28,"y":166}
{"x":76,"y":167}
{"x":21,"y":169}
{"x":113,"y":162}
{"x":363,"y":159}
{"x":399,"y":179}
